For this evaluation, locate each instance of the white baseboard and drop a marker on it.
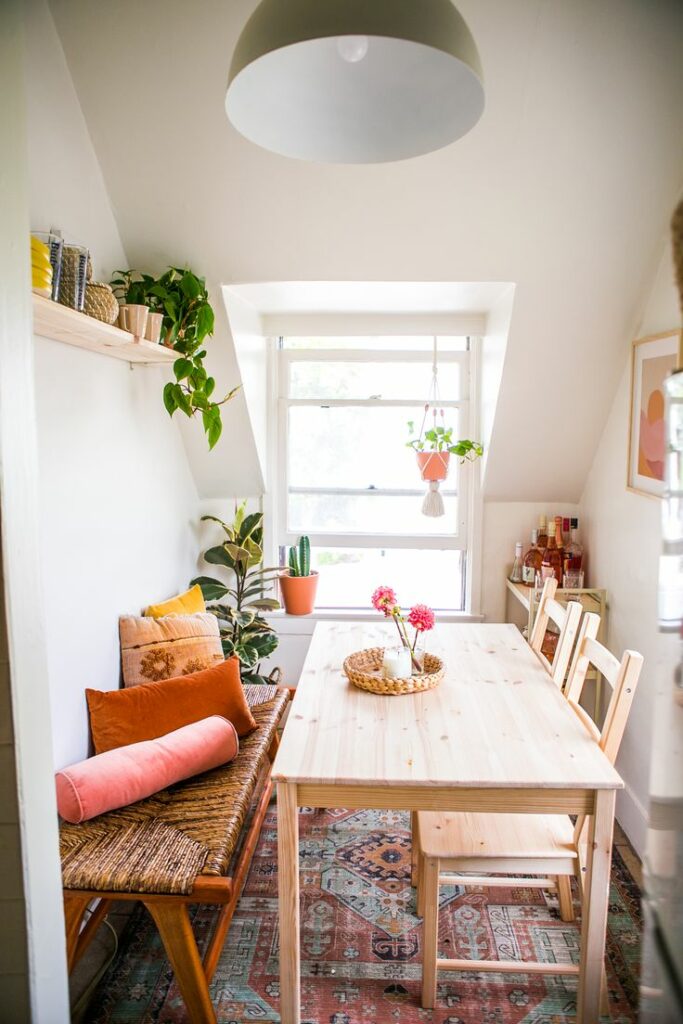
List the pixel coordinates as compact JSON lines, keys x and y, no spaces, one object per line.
{"x":632,"y":815}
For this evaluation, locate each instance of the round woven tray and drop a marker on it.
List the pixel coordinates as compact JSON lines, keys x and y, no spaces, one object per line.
{"x":364,"y":670}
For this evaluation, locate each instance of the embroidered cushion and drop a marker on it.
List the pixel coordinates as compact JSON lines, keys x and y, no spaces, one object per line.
{"x":155,"y":649}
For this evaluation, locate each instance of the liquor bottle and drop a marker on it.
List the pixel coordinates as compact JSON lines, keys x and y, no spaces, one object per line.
{"x":516,"y":574}
{"x":573,"y":555}
{"x":565,"y":531}
{"x":542,"y":533}
{"x":559,"y":541}
{"x":532,"y":561}
{"x":552,"y":558}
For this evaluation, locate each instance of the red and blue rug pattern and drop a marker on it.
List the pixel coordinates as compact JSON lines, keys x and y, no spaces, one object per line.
{"x":361,"y":943}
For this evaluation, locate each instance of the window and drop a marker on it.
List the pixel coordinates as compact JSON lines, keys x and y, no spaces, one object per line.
{"x":346,"y":478}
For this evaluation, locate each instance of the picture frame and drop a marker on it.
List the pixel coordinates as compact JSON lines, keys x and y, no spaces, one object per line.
{"x":653,"y":359}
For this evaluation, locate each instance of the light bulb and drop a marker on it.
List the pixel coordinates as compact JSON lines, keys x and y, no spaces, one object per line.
{"x":352,"y":48}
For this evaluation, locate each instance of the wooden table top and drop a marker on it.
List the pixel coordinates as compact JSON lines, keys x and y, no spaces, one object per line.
{"x":496,"y":720}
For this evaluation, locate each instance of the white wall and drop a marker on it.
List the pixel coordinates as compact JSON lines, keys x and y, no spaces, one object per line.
{"x":251,"y":352}
{"x":66,"y":185}
{"x":33,"y":983}
{"x":622,"y":532}
{"x":119,"y":504}
{"x":119,"y":510}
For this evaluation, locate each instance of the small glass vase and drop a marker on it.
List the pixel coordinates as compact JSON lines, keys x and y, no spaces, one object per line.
{"x":418,"y":655}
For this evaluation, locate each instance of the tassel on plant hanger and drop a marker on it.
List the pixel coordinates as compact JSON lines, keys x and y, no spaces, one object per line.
{"x":432,"y":505}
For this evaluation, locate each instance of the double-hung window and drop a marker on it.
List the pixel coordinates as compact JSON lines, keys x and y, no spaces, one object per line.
{"x":346,"y":478}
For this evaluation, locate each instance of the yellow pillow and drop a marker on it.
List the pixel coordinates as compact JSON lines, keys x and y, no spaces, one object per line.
{"x":189,"y":603}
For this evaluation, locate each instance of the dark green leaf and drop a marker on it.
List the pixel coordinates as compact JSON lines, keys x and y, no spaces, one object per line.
{"x":182,"y":368}
{"x":212,"y":589}
{"x":247,"y":654}
{"x":219,"y":556}
{"x":205,"y":321}
{"x":169,"y":398}
{"x":212,"y":425}
{"x":253,"y":679}
{"x":189,"y":285}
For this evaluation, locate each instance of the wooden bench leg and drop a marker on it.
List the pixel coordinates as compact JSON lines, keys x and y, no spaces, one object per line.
{"x":176,"y":933}
{"x":564,"y":895}
{"x":74,"y":909}
{"x":429,"y":886}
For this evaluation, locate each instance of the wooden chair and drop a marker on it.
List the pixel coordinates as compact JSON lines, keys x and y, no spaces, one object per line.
{"x":567,"y":621}
{"x":451,"y":845}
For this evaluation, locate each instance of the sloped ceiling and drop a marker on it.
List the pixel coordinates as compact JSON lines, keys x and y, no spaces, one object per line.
{"x":565,"y":187}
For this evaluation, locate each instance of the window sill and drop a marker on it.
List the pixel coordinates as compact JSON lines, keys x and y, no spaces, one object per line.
{"x":305,"y":624}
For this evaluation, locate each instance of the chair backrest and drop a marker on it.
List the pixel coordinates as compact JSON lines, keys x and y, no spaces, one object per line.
{"x":567,"y":621}
{"x":621,"y":676}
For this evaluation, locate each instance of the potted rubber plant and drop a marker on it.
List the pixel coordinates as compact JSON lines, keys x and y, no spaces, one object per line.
{"x":298,"y":582}
{"x":240,"y":603}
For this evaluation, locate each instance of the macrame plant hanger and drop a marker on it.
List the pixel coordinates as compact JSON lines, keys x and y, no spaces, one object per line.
{"x":435,"y":466}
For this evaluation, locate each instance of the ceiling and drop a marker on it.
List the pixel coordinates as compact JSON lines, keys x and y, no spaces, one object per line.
{"x":565,"y":188}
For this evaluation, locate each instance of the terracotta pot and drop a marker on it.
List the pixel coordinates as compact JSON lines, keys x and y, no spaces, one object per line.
{"x":298,"y":593}
{"x":433,"y":465}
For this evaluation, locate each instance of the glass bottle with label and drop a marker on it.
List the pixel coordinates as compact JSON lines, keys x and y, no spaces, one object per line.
{"x":573,"y":554}
{"x":532,"y":561}
{"x":516,"y":574}
{"x":559,"y":543}
{"x":542,"y":533}
{"x":552,"y":558}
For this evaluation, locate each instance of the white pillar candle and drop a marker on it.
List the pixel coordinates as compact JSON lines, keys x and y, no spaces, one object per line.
{"x":396,"y":663}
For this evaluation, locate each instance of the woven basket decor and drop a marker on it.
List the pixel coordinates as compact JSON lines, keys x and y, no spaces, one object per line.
{"x":100,"y":302}
{"x":364,"y":670}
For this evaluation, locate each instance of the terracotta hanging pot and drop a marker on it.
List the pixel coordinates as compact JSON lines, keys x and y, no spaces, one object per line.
{"x":433,"y":465}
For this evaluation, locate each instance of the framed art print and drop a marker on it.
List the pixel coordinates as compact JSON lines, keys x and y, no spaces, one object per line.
{"x":654,"y":358}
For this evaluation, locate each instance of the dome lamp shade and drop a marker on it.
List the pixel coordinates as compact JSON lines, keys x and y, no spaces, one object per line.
{"x":352,"y":81}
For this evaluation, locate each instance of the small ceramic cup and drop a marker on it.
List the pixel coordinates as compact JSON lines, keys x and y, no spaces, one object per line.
{"x":133,"y":318}
{"x":153,"y":331}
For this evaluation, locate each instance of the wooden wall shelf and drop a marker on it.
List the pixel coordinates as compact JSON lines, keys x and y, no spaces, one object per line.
{"x":60,"y":323}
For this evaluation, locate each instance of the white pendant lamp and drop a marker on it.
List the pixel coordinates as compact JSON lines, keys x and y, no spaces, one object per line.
{"x":355,"y":81}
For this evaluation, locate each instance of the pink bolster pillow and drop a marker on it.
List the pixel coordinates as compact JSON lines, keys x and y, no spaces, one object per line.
{"x":127,"y":774}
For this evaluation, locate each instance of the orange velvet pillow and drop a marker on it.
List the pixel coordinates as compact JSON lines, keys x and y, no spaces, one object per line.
{"x":119,"y":717}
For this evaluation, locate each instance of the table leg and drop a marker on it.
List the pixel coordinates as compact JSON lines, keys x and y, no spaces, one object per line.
{"x":288,"y":888}
{"x":595,"y":906}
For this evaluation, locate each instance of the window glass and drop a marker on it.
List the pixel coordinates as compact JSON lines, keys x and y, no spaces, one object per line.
{"x":424,"y":343}
{"x":348,"y":576}
{"x":375,"y":513}
{"x":388,"y":381}
{"x":356,"y":446}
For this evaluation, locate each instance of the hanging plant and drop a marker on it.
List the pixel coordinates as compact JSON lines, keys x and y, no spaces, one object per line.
{"x":189,"y":318}
{"x":434,"y":446}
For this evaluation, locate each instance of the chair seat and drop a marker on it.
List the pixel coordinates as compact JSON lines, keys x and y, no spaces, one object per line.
{"x":460,"y":836}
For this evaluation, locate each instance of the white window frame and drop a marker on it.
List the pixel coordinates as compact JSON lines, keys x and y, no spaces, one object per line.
{"x":467,"y":483}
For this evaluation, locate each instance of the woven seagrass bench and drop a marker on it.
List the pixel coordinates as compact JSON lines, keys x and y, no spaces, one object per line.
{"x":191,"y":843}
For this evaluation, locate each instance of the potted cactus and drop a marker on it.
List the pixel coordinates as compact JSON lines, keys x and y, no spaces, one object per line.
{"x":298,"y":584}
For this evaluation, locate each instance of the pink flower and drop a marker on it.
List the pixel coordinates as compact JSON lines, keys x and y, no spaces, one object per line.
{"x":421,"y":617}
{"x":384,"y":600}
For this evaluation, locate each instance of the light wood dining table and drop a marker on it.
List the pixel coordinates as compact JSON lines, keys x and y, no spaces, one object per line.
{"x":496,"y":735}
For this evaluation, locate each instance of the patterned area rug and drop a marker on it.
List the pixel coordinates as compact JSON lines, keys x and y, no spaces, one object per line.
{"x":361,"y":941}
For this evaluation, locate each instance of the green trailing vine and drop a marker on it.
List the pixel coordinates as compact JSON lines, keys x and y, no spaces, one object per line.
{"x":183,"y":300}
